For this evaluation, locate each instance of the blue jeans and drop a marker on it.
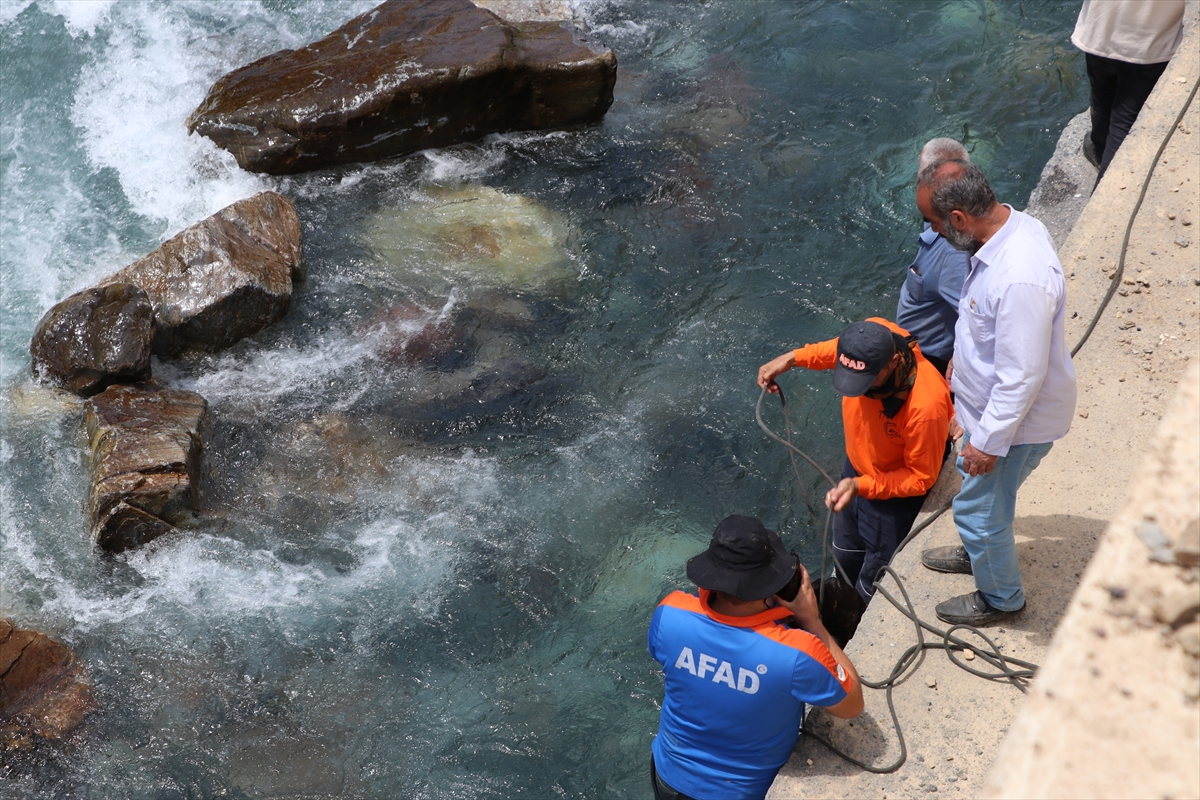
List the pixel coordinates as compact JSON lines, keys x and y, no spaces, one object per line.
{"x":983,"y":511}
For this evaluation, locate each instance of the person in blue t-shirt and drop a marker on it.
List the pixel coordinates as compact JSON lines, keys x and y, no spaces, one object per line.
{"x":928,"y":306}
{"x":736,"y":676}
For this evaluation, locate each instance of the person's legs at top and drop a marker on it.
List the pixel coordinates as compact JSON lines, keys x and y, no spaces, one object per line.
{"x":984,"y":511}
{"x":1134,"y":84}
{"x":848,"y":547}
{"x":1102,"y":78}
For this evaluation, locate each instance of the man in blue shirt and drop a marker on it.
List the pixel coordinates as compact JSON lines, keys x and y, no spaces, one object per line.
{"x":928,"y":306}
{"x":736,"y":677}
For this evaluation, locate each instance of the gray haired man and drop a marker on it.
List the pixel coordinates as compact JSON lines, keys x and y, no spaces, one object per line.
{"x":928,"y":305}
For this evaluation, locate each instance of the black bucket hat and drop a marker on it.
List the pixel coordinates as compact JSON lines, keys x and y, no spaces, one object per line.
{"x":743,"y":559}
{"x":863,"y":351}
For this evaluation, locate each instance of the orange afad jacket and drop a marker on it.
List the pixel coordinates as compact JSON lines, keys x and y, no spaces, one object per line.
{"x":901,"y":456}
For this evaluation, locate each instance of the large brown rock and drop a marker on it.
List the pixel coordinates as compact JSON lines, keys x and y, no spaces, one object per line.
{"x":146,"y":448}
{"x":44,"y":690}
{"x":406,"y":76}
{"x":95,"y":338}
{"x":224,"y":278}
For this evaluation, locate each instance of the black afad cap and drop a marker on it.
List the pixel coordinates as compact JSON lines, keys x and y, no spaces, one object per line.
{"x":863,"y":350}
{"x":744,"y":559}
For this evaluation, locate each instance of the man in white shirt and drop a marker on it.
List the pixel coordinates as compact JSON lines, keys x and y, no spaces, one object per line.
{"x":1012,"y":377}
{"x":1127,"y":44}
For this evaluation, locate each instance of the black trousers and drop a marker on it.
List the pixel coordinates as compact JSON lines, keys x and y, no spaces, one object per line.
{"x":662,"y":790}
{"x":1119,"y":89}
{"x":867,"y":532}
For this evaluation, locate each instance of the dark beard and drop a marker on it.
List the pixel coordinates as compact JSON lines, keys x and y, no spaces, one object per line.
{"x":901,"y":380}
{"x":959,"y":240}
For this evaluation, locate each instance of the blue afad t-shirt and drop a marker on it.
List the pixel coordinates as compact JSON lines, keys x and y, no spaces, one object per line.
{"x":734,"y":695}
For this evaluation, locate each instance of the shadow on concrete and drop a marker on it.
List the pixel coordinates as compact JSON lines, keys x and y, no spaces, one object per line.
{"x":868,"y":739}
{"x":1055,"y":551}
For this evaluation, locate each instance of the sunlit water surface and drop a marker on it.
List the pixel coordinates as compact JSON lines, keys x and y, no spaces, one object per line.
{"x":429,"y":573}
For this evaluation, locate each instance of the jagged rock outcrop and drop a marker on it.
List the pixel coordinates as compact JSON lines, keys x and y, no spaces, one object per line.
{"x":406,"y":76}
{"x":95,"y":338}
{"x":44,"y":689}
{"x":146,"y":446}
{"x":224,"y":278}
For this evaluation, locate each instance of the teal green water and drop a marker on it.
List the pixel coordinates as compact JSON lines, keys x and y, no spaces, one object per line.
{"x":432,"y":578}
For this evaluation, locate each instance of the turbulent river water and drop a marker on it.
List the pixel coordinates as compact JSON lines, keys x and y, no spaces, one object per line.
{"x":426,"y":569}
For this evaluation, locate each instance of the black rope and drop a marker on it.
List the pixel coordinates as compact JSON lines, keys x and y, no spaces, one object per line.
{"x":792,"y":451}
{"x":788,"y":442}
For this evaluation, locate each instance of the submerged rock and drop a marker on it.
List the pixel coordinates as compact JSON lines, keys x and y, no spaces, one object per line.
{"x":412,"y":335}
{"x":95,"y":338}
{"x":29,"y":401}
{"x":406,"y":76}
{"x":282,"y":758}
{"x":146,"y":446}
{"x":508,"y":391}
{"x":224,"y":278}
{"x":317,"y":465}
{"x":44,"y":690}
{"x":477,"y":236}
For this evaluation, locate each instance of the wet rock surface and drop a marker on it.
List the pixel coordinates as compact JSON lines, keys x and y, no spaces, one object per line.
{"x":224,"y":278}
{"x":146,"y":446}
{"x":525,"y":10}
{"x":44,"y":690}
{"x":406,"y":76}
{"x":95,"y":338}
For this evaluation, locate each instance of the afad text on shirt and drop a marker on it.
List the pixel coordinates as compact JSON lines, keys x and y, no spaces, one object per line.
{"x":722,"y":672}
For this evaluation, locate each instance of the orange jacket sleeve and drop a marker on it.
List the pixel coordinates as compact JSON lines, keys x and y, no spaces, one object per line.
{"x":822,"y":355}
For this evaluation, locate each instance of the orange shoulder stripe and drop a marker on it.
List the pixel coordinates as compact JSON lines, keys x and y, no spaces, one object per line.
{"x":683,"y":600}
{"x":806,"y":643}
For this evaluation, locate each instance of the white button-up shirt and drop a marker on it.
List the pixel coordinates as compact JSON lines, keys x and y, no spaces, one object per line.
{"x":1013,"y":379}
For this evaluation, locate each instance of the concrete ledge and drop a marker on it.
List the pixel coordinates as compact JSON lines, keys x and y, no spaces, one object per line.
{"x":1113,"y":712}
